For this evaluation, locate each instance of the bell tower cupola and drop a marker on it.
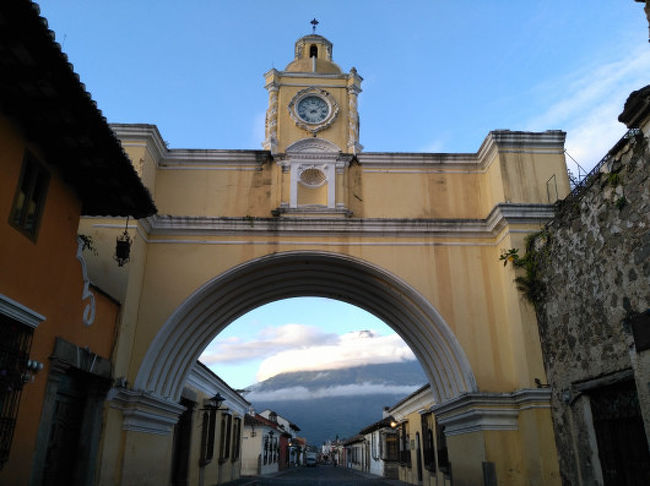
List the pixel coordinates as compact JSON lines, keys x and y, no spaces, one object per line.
{"x":312,"y":97}
{"x":313,"y":53}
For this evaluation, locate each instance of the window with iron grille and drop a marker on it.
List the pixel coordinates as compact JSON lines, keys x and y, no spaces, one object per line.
{"x":15,"y":344}
{"x":266,"y":449}
{"x":236,"y":439}
{"x":207,"y":436}
{"x":428,"y":448}
{"x":443,"y":456}
{"x":29,"y":200}
{"x":405,"y":446}
{"x":226,"y":425}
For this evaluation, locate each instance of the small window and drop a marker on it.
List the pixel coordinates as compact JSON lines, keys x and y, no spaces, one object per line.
{"x":313,"y":51}
{"x":30,"y":196}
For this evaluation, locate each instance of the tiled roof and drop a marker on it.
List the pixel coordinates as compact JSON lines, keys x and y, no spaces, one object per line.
{"x":43,"y":96}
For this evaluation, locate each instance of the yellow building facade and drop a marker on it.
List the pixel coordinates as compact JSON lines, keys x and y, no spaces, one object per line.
{"x":413,"y":238}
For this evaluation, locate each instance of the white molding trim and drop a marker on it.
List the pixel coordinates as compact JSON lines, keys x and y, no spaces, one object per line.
{"x":501,"y":216}
{"x":420,"y":400}
{"x":474,"y":412}
{"x":19,"y":312}
{"x":207,"y":382}
{"x":145,"y":412}
{"x":498,"y":141}
{"x":88,"y":315}
{"x":148,"y":136}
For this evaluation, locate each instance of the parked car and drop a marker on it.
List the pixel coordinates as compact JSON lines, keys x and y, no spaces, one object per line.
{"x":310,"y":459}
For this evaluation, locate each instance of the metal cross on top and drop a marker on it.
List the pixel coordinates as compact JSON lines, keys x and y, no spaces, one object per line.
{"x":313,"y":23}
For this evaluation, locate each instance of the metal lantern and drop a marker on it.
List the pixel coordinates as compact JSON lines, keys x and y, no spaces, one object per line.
{"x":123,"y":247}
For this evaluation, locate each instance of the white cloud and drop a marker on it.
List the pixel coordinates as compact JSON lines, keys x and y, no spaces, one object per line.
{"x":269,"y":341}
{"x":590,"y":102}
{"x":352,"y":349}
{"x":302,"y":393}
{"x":433,"y":147}
{"x":258,"y":129}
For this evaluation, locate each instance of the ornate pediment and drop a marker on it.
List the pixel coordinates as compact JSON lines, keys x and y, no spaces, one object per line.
{"x":313,"y":145}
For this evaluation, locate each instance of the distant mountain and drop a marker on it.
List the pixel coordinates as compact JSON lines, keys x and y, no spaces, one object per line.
{"x":341,"y":402}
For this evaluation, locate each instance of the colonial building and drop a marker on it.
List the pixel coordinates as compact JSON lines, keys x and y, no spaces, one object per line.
{"x":208,"y":435}
{"x":422,"y":443}
{"x":58,"y":160}
{"x":382,"y":439}
{"x":356,"y":453}
{"x":288,"y":432}
{"x":261,"y":446}
{"x":413,"y":238}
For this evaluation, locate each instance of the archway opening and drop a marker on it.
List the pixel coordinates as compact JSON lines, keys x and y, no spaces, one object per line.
{"x":328,"y":366}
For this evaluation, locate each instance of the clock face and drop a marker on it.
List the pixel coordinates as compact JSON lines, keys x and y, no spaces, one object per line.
{"x":313,"y":109}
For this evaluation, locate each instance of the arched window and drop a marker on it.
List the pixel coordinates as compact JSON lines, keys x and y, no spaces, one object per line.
{"x":313,"y":51}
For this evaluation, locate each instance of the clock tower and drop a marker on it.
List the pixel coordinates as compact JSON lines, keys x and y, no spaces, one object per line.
{"x":312,"y":97}
{"x":312,"y":126}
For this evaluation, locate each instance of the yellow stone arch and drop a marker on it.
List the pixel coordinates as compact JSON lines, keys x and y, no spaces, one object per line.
{"x":216,"y":304}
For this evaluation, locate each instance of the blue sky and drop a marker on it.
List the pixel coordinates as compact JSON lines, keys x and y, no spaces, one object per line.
{"x":438,"y":76}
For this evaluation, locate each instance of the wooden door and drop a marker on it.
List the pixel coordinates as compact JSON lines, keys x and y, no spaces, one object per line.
{"x":622,"y":445}
{"x":182,"y":442}
{"x":62,"y":459}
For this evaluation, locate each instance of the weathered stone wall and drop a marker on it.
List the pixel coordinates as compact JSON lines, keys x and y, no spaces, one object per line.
{"x":595,"y":266}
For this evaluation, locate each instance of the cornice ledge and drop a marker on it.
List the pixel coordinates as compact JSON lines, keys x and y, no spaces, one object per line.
{"x":518,"y":213}
{"x":19,"y":312}
{"x":145,"y":412}
{"x":180,"y":157}
{"x":421,"y":402}
{"x":501,"y":215}
{"x":501,"y":139}
{"x":416,"y":160}
{"x":129,"y":132}
{"x":310,"y":74}
{"x":472,"y":412}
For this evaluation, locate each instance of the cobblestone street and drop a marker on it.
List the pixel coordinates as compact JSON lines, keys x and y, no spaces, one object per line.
{"x":320,"y":475}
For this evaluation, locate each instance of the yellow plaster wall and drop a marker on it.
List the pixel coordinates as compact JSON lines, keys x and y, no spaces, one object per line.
{"x":417,"y":195}
{"x":525,"y":174}
{"x":151,"y":454}
{"x":228,"y":191}
{"x":466,"y":455}
{"x":312,"y":196}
